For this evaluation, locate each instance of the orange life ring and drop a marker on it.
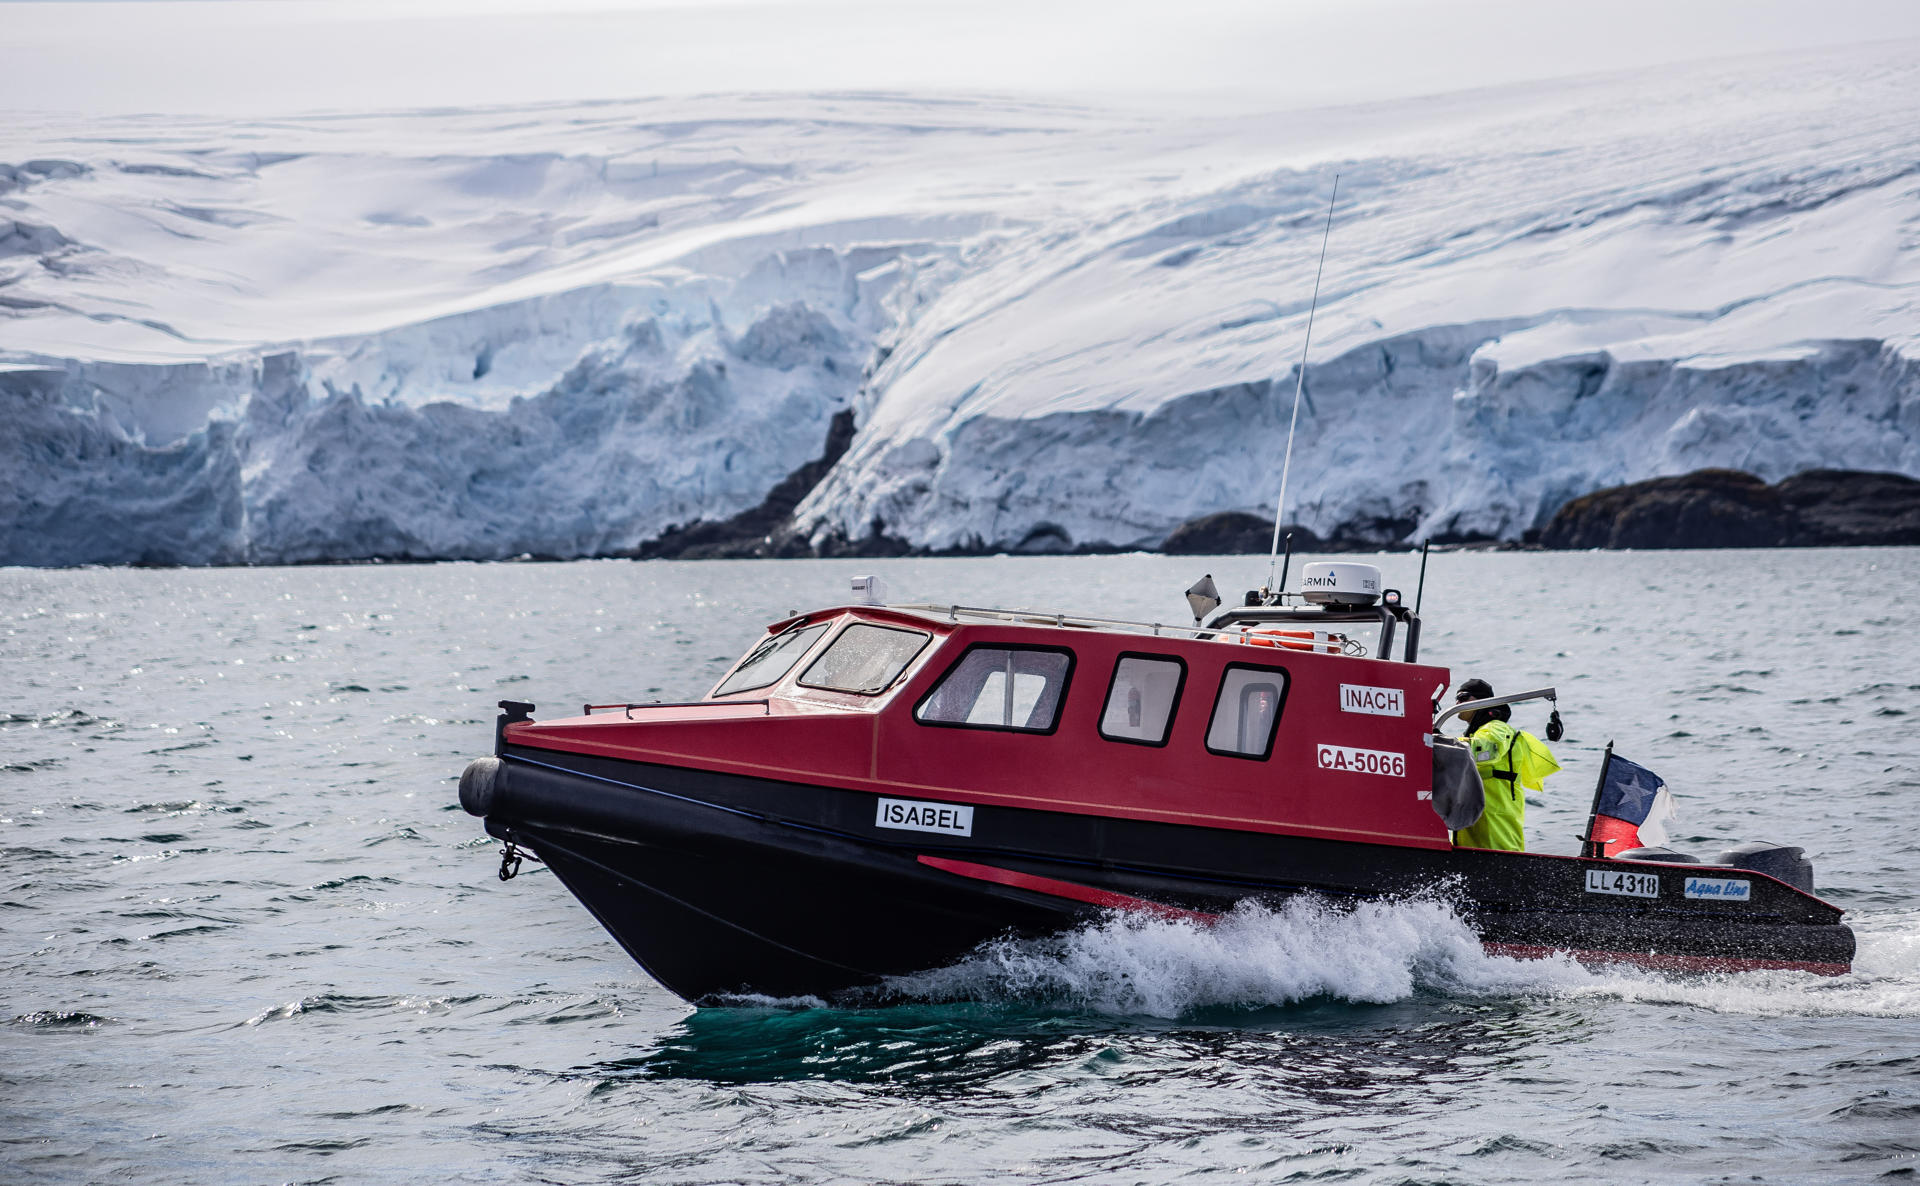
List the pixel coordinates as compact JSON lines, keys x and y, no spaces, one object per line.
{"x":1293,"y":640}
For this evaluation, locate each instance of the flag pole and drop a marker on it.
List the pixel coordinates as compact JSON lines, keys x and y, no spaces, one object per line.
{"x":1590,"y":848}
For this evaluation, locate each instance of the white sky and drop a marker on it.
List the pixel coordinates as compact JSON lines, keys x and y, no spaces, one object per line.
{"x":281,"y":56}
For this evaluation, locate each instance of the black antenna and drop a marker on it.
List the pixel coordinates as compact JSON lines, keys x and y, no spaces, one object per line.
{"x":1281,"y":591}
{"x":1300,"y":381}
{"x":1420,"y":591}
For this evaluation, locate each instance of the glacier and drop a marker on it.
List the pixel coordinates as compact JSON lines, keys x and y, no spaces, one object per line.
{"x":566,"y":329}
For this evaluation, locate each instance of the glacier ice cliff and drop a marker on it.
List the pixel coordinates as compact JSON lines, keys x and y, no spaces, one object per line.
{"x":570,"y":330}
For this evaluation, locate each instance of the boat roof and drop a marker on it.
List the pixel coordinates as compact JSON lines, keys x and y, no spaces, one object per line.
{"x":1227,"y":622}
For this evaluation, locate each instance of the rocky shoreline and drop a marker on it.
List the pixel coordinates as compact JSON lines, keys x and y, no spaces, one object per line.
{"x":1723,"y":508}
{"x":1709,"y":508}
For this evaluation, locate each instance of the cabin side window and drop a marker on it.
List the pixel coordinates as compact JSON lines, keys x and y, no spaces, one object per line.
{"x":865,"y":659}
{"x":1013,"y":688}
{"x":1142,"y":699}
{"x":1247,"y":711}
{"x":770,"y":659}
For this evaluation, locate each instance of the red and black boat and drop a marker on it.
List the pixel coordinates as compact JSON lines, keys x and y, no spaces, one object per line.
{"x":876,"y":790}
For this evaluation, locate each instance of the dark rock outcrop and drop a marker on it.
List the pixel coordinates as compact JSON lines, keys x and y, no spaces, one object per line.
{"x":1709,"y":508}
{"x":761,"y":531}
{"x":1232,"y":533}
{"x":1838,"y":506}
{"x":1721,"y":508}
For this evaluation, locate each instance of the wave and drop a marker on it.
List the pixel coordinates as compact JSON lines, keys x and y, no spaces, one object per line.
{"x":60,"y":1019}
{"x":1253,"y":957}
{"x":1375,"y":953}
{"x":1885,"y":981}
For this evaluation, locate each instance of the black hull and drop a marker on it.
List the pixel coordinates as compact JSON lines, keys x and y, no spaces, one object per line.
{"x":720,"y":885}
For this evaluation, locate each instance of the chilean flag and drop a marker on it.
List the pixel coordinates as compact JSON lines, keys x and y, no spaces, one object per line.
{"x":1632,"y":809}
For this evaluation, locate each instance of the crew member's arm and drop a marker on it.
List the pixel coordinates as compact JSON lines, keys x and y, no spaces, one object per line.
{"x":1490,"y":744}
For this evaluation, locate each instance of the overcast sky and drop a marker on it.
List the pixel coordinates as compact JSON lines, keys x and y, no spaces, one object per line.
{"x":284,"y":56}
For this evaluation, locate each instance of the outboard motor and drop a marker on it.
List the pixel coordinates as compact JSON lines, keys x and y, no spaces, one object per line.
{"x":1664,"y":855}
{"x":1782,"y":861}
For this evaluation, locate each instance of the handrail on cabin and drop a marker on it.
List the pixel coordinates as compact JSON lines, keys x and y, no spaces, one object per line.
{"x":1387,"y":615}
{"x":1492,"y":701}
{"x":586,"y":710}
{"x":1043,"y":617}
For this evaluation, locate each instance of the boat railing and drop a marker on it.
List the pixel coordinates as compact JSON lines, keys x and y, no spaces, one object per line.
{"x":1231,"y":623}
{"x":587,"y":710}
{"x":954,"y":613}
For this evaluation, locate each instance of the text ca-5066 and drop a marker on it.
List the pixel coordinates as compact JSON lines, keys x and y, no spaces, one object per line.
{"x":1362,"y":761}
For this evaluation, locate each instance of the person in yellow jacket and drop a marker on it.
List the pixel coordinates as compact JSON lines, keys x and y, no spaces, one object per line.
{"x":1511,"y":763}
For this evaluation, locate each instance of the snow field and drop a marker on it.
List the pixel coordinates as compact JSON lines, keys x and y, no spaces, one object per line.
{"x":563,"y":329}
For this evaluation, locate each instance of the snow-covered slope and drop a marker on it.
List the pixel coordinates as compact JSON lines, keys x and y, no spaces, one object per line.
{"x":564,"y":329}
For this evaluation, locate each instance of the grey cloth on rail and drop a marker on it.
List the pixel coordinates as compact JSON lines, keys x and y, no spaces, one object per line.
{"x":1458,"y":797}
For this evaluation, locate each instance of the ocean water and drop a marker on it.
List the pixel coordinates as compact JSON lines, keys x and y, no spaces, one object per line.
{"x":246,"y":934}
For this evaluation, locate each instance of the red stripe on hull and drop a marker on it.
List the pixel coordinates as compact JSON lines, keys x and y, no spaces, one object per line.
{"x":1064,"y":889}
{"x":1665,"y":963}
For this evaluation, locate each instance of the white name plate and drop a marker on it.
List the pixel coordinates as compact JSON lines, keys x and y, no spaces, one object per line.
{"x":1725,"y":889}
{"x":1630,"y":885}
{"x":951,"y":819}
{"x":1379,"y":702}
{"x":1362,"y":761}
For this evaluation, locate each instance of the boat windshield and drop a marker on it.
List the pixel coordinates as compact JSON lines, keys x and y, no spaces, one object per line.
{"x":770,"y":659}
{"x":865,"y":659}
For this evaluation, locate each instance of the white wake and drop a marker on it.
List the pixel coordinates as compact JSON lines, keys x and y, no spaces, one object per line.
{"x":1378,"y":953}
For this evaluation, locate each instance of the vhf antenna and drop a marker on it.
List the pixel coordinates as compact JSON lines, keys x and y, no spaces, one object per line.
{"x":1300,"y":382}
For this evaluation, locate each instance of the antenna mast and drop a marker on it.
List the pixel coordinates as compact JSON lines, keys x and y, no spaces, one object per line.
{"x":1286,"y":466}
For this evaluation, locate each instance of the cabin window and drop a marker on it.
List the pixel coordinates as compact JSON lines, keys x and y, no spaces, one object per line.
{"x":1247,"y":711}
{"x":1140,"y":703}
{"x":770,"y":659}
{"x":865,"y":659}
{"x":1017,"y":688}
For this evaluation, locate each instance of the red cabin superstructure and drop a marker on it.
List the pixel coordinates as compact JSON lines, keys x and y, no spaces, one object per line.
{"x":1309,"y":784}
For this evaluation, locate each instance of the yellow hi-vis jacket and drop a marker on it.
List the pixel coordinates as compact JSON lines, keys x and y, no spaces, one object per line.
{"x":1511,"y":763}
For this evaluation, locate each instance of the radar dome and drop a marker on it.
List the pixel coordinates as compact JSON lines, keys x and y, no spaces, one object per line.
{"x":1334,"y":582}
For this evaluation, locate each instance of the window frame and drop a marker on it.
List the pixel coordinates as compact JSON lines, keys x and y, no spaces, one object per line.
{"x":926,"y":637}
{"x":802,"y":627}
{"x":1060,"y":706}
{"x":1279,"y":710}
{"x":1173,"y":709}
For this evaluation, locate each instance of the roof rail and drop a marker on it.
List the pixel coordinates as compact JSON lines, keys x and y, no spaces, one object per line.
{"x":1224,"y":620}
{"x":1036,"y":617}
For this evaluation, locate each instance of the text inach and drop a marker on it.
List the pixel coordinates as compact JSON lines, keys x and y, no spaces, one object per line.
{"x":1379,"y":702}
{"x":953,"y":819}
{"x":1362,"y":761}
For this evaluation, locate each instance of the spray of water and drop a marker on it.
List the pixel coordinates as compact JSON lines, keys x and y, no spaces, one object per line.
{"x":1254,"y":957}
{"x":1374,"y":953}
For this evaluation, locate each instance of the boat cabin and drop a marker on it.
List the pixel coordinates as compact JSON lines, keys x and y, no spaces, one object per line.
{"x":1270,"y":718}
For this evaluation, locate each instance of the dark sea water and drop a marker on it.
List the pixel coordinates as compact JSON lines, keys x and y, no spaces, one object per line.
{"x":247,"y":936}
